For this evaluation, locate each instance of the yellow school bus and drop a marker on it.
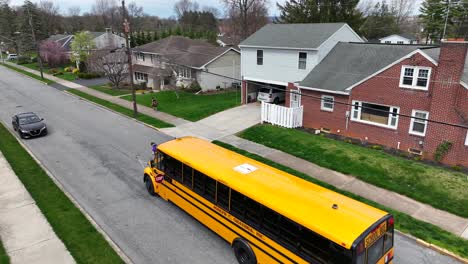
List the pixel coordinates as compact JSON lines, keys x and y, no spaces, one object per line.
{"x":267,"y":215}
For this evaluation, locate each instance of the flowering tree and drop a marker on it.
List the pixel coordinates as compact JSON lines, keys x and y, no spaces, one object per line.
{"x":53,"y":53}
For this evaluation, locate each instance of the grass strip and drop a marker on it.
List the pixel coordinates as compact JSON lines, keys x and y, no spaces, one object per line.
{"x":123,"y":110}
{"x":110,"y":91}
{"x":442,"y":188}
{"x":65,"y":75}
{"x":4,"y":259}
{"x":190,"y":106}
{"x":403,"y":222}
{"x":37,"y":77}
{"x":84,"y":242}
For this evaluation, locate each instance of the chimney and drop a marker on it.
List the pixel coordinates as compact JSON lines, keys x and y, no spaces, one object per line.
{"x":108,"y":30}
{"x":452,"y":60}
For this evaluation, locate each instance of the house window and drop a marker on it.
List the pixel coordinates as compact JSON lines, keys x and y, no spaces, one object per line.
{"x":141,"y":76}
{"x":185,"y":72}
{"x":374,"y":114}
{"x":328,"y":103}
{"x":419,"y":122}
{"x":466,"y":138}
{"x":388,"y":42}
{"x":302,"y":60}
{"x":140,"y":56}
{"x":400,"y":42}
{"x":415,"y":77}
{"x":259,"y":57}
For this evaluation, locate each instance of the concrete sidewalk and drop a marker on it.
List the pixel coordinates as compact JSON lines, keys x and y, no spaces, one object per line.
{"x":222,"y":126}
{"x":452,"y":223}
{"x":25,"y":233}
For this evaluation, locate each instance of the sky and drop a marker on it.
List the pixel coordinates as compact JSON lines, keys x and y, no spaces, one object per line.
{"x":161,"y":8}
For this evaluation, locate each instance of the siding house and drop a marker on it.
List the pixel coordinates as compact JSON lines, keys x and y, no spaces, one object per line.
{"x":385,"y":94}
{"x":399,"y":39}
{"x":179,"y":62}
{"x":281,"y":53}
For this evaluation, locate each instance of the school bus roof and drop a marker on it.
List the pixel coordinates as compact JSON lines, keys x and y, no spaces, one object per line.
{"x":306,"y":203}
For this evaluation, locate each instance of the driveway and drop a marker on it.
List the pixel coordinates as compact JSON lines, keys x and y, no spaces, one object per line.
{"x":89,"y":82}
{"x":219,"y":125}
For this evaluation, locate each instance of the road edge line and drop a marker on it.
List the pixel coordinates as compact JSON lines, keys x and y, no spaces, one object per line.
{"x":438,"y":249}
{"x":114,"y":245}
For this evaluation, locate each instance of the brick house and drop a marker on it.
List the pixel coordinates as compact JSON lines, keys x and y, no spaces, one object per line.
{"x":383,"y":87}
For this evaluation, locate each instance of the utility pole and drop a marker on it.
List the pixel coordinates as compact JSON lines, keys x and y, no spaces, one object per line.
{"x":37,"y":44}
{"x":446,"y":19}
{"x":126,"y":26}
{"x":1,"y":52}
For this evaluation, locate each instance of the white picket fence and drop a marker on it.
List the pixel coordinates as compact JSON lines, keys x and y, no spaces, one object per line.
{"x":282,"y":116}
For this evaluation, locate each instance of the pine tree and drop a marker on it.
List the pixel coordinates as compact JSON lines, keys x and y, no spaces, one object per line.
{"x":155,"y":36}
{"x":29,"y":13}
{"x":433,"y":13}
{"x":380,"y":22}
{"x":148,"y":37}
{"x":321,"y":11}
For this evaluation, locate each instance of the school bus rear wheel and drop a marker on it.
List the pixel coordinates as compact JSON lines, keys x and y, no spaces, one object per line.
{"x":243,"y":251}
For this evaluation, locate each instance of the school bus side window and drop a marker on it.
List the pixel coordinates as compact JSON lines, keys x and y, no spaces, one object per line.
{"x":188,"y":176}
{"x":204,"y":185}
{"x":222,"y":196}
{"x":173,"y":168}
{"x":160,"y":161}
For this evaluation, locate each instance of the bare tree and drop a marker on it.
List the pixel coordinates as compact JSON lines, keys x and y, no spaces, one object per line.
{"x":74,"y":11}
{"x":113,"y":64}
{"x":135,"y":15}
{"x":402,"y":10}
{"x":247,"y":16}
{"x":182,"y":6}
{"x":50,"y":16}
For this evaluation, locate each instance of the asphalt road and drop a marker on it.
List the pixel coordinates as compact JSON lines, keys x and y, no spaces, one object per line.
{"x":98,"y":157}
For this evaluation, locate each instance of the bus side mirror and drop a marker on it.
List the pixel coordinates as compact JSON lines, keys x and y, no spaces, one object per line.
{"x":152,"y":163}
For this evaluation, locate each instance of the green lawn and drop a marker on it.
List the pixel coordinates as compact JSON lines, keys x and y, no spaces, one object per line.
{"x":442,"y":188}
{"x":190,"y":106}
{"x":37,"y":77}
{"x":66,"y":75}
{"x":109,"y":90}
{"x":123,"y":110}
{"x":403,"y":222}
{"x":4,"y":259}
{"x":84,"y":242}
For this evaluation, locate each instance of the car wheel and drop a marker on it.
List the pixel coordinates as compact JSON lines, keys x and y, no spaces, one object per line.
{"x":20,"y":134}
{"x":243,"y":252}
{"x":149,"y":186}
{"x":14,"y":127}
{"x":276,"y":101}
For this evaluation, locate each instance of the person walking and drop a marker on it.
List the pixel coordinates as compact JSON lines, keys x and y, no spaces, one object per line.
{"x":154,"y":104}
{"x":154,"y":148}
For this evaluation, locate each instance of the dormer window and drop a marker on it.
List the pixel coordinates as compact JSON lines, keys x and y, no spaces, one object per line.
{"x":414,"y":77}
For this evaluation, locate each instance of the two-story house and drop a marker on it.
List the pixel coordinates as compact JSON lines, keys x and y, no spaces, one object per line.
{"x":281,"y":53}
{"x":178,"y":61}
{"x":410,"y":98}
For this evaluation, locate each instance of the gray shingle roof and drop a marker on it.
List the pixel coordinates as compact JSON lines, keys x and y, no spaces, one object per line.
{"x":183,"y":51}
{"x":349,"y":63}
{"x":292,"y":35}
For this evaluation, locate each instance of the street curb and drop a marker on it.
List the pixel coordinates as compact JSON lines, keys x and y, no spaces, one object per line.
{"x":28,"y":75}
{"x":116,"y":112}
{"x":114,"y":246}
{"x":433,"y":247}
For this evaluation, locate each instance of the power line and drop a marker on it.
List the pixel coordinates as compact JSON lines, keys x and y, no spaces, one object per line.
{"x":338,"y":102}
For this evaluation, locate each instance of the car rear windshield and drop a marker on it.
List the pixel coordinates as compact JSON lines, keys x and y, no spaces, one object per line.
{"x":28,"y":119}
{"x":265,"y":90}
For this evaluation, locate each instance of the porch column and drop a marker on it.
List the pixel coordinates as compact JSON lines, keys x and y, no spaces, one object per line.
{"x":244,"y":92}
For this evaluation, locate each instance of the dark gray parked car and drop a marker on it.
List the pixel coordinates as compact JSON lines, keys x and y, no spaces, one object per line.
{"x":29,"y":125}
